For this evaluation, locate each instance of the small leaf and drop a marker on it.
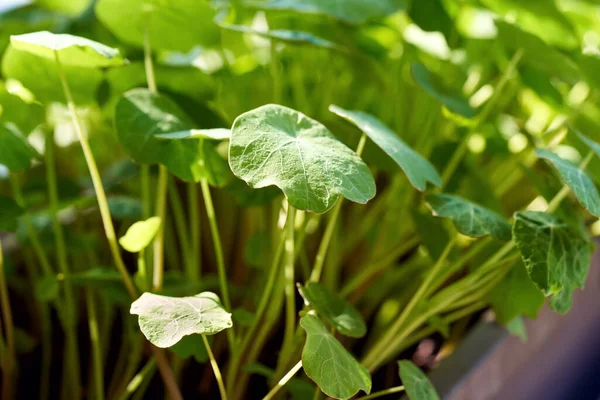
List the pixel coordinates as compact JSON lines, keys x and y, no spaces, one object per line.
{"x":15,"y":152}
{"x":275,"y":145}
{"x":577,"y":180}
{"x":517,"y":327}
{"x":431,"y":84}
{"x":140,"y":235}
{"x":469,"y":218}
{"x":557,"y":258}
{"x":210,"y":134}
{"x":337,"y":311}
{"x":191,"y":346}
{"x":416,"y":384}
{"x":329,"y":364}
{"x":10,"y":211}
{"x":166,"y":320}
{"x":418,"y":170}
{"x":71,"y":50}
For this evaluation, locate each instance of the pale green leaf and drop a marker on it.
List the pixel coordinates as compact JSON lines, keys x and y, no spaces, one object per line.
{"x":164,"y":20}
{"x":418,"y":170}
{"x":166,"y":320}
{"x":71,"y":8}
{"x":275,"y":145}
{"x":416,"y":384}
{"x":338,"y":312}
{"x":10,"y":211}
{"x":140,"y":235}
{"x":141,"y":115}
{"x":517,"y":327}
{"x":210,"y":134}
{"x":71,"y":50}
{"x":15,"y":152}
{"x":469,"y":218}
{"x":577,"y":180}
{"x":329,"y":364}
{"x":556,"y":256}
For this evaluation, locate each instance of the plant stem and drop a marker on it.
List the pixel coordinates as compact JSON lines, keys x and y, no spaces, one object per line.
{"x":283,"y":381}
{"x":216,"y":238}
{"x":317,"y":270}
{"x":98,"y":369}
{"x":215,"y":367}
{"x":290,"y":284}
{"x":167,"y":375}
{"x":140,"y":377}
{"x":182,"y":231}
{"x":381,"y":393}
{"x":195,"y":239}
{"x":148,"y":65}
{"x":9,"y":361}
{"x":158,"y":269}
{"x":145,"y":189}
{"x":109,"y":229}
{"x":384,"y":343}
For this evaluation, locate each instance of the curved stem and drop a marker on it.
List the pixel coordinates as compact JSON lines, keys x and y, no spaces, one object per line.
{"x":98,"y":369}
{"x":384,"y":392}
{"x":9,"y":334}
{"x":290,"y":284}
{"x":215,"y":367}
{"x":283,"y":381}
{"x":109,"y":229}
{"x":139,"y":378}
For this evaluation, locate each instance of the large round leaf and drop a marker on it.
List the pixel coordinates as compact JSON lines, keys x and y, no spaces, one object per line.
{"x":72,"y":50}
{"x":173,"y":24}
{"x":275,"y":145}
{"x":142,"y":115}
{"x":15,"y":152}
{"x":166,"y":320}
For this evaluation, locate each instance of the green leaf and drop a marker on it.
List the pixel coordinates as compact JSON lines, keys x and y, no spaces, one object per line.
{"x":124,"y":207}
{"x":555,"y":255}
{"x":47,"y":288}
{"x":245,"y":196}
{"x":469,"y":218}
{"x":416,"y":384}
{"x":25,"y":115}
{"x":71,"y":50}
{"x":10,"y":211}
{"x":164,"y":20}
{"x":431,"y":16}
{"x":329,"y":364}
{"x":418,"y":170}
{"x":141,"y":115}
{"x":210,"y":134}
{"x":577,"y":180}
{"x":517,"y":327}
{"x":140,"y":235}
{"x":337,"y":311}
{"x":166,"y":320}
{"x":15,"y":152}
{"x":275,"y":145}
{"x":71,"y":8}
{"x":40,"y":76}
{"x":191,"y":346}
{"x":432,"y":85}
{"x":351,"y":11}
{"x":595,"y":147}
{"x":516,"y":295}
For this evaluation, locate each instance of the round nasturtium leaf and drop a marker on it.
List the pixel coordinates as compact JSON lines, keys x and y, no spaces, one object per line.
{"x":140,"y":235}
{"x":15,"y":151}
{"x":275,"y":145}
{"x":141,"y":116}
{"x":164,"y":19}
{"x":416,"y":384}
{"x":338,"y":312}
{"x":166,"y":320}
{"x":71,"y":50}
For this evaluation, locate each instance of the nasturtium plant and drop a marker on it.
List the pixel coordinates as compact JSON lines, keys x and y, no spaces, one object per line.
{"x":418,"y":170}
{"x":469,"y":218}
{"x":338,"y":312}
{"x":416,"y":383}
{"x":166,"y":320}
{"x":140,"y":235}
{"x":15,"y":153}
{"x":275,"y":145}
{"x":329,"y":364}
{"x":555,"y":255}
{"x":10,"y":211}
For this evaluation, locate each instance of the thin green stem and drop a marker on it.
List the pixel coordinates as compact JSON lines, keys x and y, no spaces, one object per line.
{"x":381,"y":393}
{"x":144,"y":374}
{"x":216,"y":238}
{"x":145,"y":188}
{"x":215,"y":367}
{"x":158,"y":270}
{"x":290,"y":284}
{"x":97,"y":182}
{"x":283,"y":381}
{"x":194,"y":217}
{"x":148,"y":65}
{"x":182,"y":231}
{"x":9,"y":360}
{"x":98,"y":368}
{"x":275,"y":73}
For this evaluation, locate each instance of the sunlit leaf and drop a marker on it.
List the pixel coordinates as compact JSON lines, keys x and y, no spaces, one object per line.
{"x":166,"y":320}
{"x":338,"y":312}
{"x":416,"y":384}
{"x":577,"y":180}
{"x":210,"y":134}
{"x":329,"y":364}
{"x":556,"y":256}
{"x":140,"y":235}
{"x":418,"y":170}
{"x":469,"y":218}
{"x":15,"y":152}
{"x":275,"y":145}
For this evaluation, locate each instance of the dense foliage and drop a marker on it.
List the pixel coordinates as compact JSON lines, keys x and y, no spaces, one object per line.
{"x":282,"y":198}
